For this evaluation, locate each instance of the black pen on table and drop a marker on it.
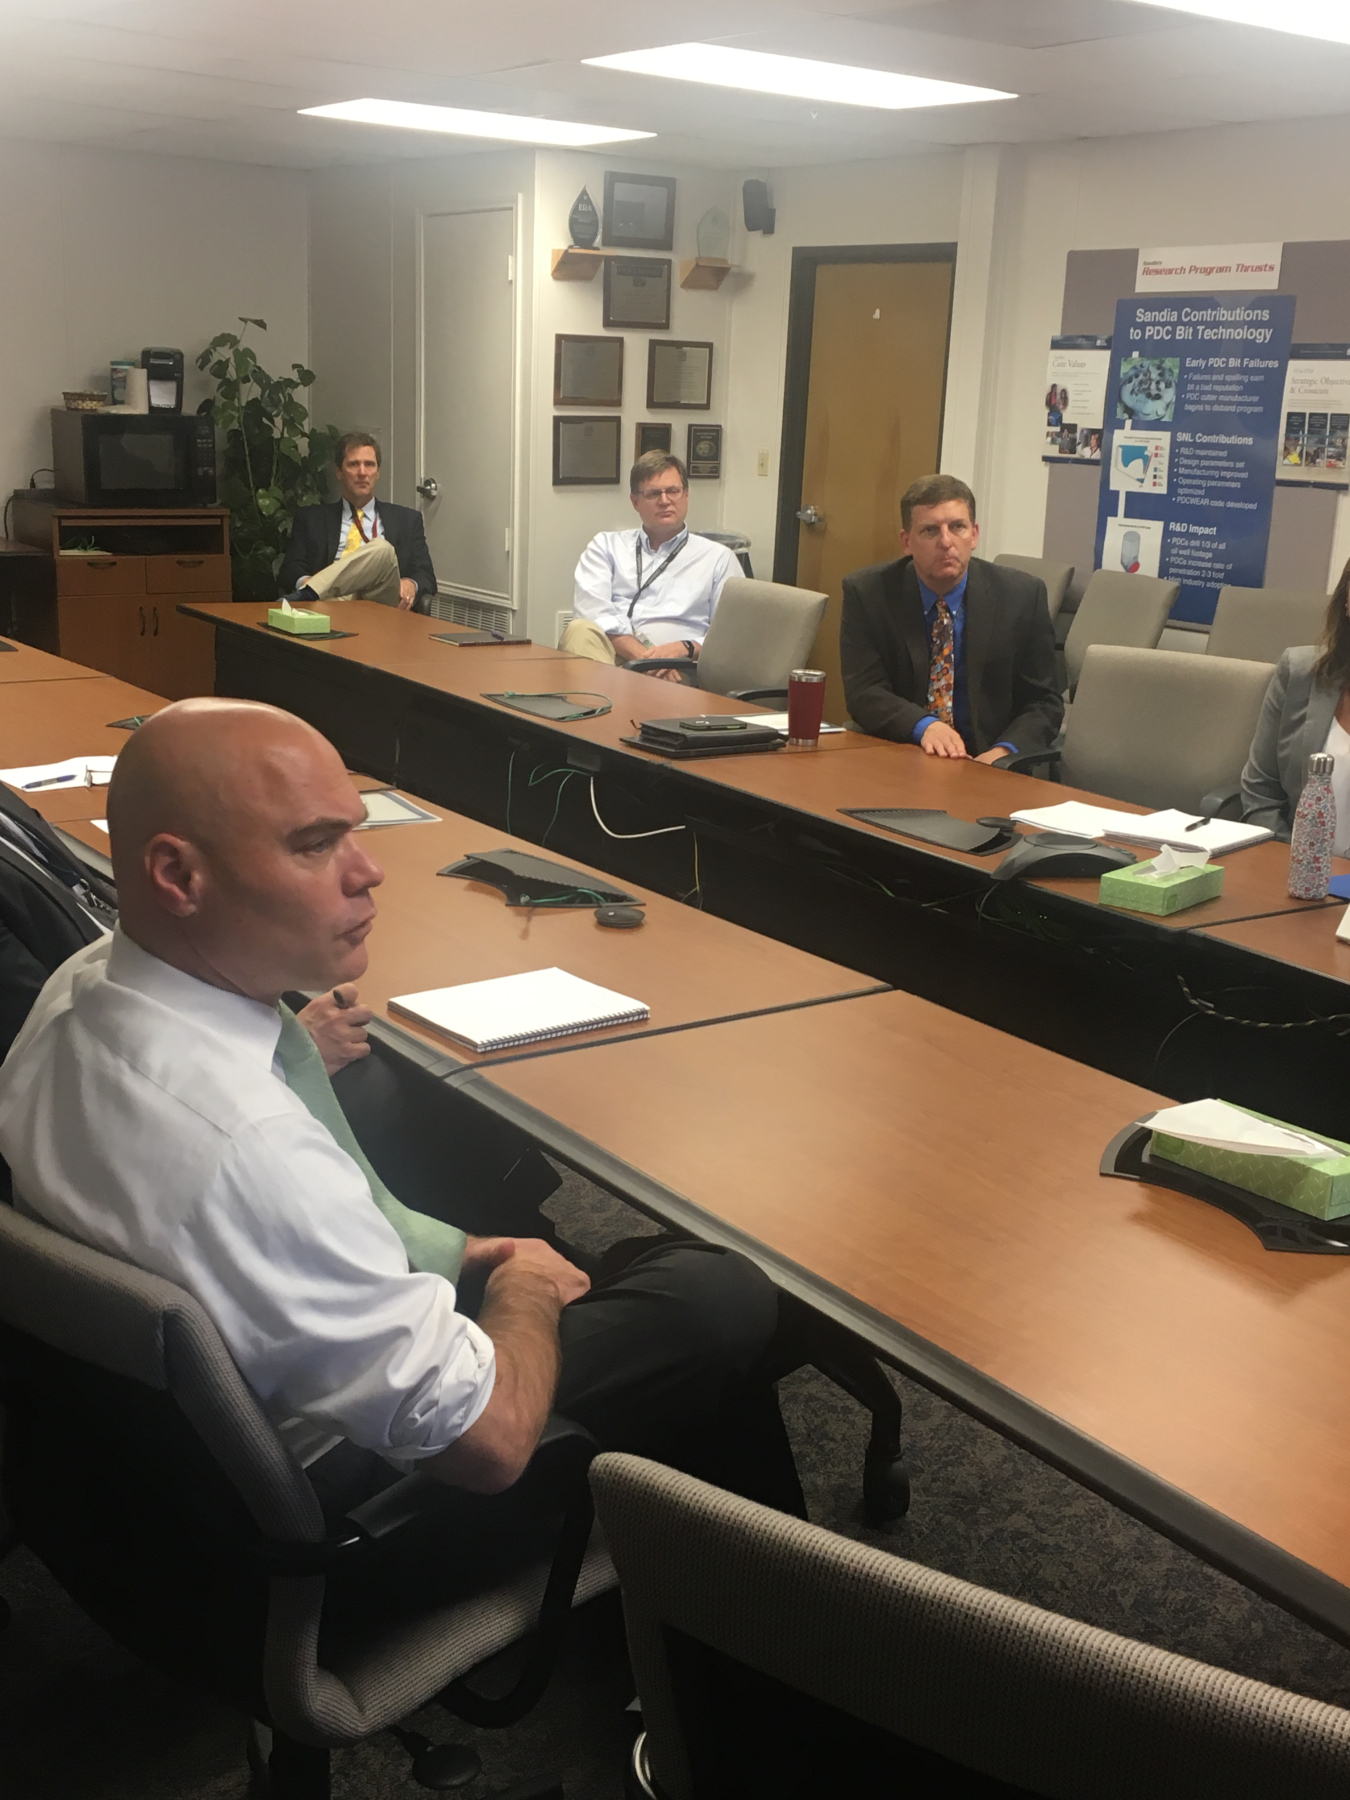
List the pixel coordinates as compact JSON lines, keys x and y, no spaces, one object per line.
{"x":1199,"y":824}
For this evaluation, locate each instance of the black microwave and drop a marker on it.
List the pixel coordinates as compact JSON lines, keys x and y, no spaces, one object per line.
{"x":134,"y":459}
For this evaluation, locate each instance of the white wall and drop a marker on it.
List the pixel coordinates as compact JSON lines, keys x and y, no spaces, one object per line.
{"x":909,"y":200}
{"x":106,"y":252}
{"x":1233,"y":184}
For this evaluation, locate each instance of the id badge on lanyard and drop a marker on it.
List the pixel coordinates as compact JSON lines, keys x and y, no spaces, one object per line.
{"x":660,"y":569}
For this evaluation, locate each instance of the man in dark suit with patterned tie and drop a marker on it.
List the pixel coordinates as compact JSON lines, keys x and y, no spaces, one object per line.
{"x":358,"y":547}
{"x":944,"y":650}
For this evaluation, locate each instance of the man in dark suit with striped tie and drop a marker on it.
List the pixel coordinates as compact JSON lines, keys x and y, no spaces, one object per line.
{"x":358,"y":547}
{"x":944,"y":650}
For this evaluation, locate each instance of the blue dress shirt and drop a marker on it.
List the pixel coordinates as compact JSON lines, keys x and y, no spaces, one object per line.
{"x":956,"y":606}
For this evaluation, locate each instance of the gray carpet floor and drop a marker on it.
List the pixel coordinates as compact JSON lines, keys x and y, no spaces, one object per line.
{"x":79,"y":1717}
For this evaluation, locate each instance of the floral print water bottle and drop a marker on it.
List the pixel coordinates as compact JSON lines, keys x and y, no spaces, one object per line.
{"x":1314,"y":832}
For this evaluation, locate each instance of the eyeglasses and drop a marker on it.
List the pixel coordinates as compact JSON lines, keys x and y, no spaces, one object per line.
{"x":665,"y":493}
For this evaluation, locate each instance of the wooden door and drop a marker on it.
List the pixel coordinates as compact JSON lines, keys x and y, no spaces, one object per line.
{"x":873,"y":422}
{"x":104,"y":632}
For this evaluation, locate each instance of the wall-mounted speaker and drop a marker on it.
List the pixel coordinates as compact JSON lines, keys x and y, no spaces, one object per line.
{"x":759,"y":215}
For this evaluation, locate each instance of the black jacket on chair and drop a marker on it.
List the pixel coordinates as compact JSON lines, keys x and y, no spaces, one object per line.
{"x":1008,"y":650}
{"x":314,"y":544}
{"x":40,"y":923}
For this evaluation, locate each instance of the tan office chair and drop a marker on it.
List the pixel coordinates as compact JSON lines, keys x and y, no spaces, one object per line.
{"x":773,"y":1658}
{"x":1260,"y":624}
{"x":1117,"y":608}
{"x":1055,"y":575}
{"x":1158,"y":727}
{"x":760,"y":633}
{"x":177,"y":1519}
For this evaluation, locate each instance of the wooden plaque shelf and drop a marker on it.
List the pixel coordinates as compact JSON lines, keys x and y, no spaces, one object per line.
{"x":573,"y":264}
{"x":704,"y":272}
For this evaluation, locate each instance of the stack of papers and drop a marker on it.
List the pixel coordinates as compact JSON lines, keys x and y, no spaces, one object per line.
{"x":519,"y":1009}
{"x":1157,"y":828}
{"x":777,"y":722}
{"x":75,"y":771}
{"x":1219,"y":1126}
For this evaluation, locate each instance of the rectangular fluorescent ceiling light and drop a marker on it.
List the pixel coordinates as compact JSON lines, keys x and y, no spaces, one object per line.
{"x":1329,"y":19}
{"x":718,"y":65}
{"x":459,"y":122}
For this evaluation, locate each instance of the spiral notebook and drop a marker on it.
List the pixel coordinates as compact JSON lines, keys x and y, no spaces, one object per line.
{"x":519,"y":1009}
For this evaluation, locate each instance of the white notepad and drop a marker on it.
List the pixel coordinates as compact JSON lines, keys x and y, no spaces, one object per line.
{"x":519,"y":1009}
{"x":1170,"y":827}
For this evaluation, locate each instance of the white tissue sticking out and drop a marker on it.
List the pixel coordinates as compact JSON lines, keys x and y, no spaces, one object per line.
{"x":1169,"y":859}
{"x":286,"y":606}
{"x":1219,"y":1126}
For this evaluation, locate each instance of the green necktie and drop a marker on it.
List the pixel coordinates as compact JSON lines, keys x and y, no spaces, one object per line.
{"x":433,"y":1247}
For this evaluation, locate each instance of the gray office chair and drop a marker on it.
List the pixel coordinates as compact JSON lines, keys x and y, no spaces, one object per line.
{"x":1055,"y":575}
{"x":1260,"y":624}
{"x":760,"y":633}
{"x":1117,"y":608}
{"x":1158,"y":727}
{"x":774,"y":1659}
{"x":177,"y":1519}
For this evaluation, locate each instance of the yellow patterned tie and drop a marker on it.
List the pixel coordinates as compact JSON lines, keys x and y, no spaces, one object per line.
{"x":942,"y":664}
{"x":354,"y":537}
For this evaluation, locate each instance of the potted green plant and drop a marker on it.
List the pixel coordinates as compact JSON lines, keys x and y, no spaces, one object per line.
{"x":273,"y":460}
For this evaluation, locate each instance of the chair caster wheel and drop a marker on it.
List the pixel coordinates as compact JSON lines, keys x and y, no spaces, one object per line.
{"x":442,"y":1767}
{"x":885,"y":1490}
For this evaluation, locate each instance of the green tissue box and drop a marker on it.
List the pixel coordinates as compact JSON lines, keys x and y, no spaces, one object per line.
{"x":304,"y":624}
{"x":1135,"y":891}
{"x":1319,"y":1186}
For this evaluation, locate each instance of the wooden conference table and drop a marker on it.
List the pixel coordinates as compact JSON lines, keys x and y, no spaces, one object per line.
{"x":775,"y":852}
{"x":928,"y":1182}
{"x":947,"y":1206}
{"x":436,"y":931}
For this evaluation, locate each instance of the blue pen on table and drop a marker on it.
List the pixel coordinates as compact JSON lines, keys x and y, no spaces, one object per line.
{"x":51,"y":781}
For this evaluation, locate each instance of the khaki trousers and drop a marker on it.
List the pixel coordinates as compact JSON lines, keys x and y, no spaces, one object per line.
{"x":370,"y":573}
{"x":581,"y":638}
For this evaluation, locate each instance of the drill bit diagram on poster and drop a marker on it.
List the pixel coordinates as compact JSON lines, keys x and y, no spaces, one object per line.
{"x":1193,"y":432}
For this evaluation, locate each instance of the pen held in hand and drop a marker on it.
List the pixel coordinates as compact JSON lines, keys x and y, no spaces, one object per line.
{"x":340,"y":1000}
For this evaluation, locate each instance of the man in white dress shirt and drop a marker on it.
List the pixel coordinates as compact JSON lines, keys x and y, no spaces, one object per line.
{"x":650,"y":592}
{"x":159,"y":1105}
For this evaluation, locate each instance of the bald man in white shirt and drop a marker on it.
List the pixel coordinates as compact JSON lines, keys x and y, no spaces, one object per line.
{"x":160,"y":1105}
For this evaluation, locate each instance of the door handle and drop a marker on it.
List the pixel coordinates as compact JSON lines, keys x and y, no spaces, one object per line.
{"x":154,"y":614}
{"x":429,"y":488}
{"x":106,"y":563}
{"x":141,"y":611}
{"x":190,"y":562}
{"x":809,"y":516}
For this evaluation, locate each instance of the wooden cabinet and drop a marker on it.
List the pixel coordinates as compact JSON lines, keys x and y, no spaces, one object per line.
{"x":117,"y":604}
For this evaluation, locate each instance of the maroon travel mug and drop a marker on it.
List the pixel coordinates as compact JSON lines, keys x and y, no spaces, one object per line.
{"x":806,"y":708}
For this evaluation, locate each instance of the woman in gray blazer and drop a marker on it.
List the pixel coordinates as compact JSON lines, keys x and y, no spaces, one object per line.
{"x":1309,"y":691}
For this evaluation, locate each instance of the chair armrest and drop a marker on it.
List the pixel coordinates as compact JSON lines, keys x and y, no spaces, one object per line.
{"x":552,"y":1480}
{"x":653,"y":665}
{"x":759,"y":696}
{"x":1032,"y":760}
{"x":1217,"y":802}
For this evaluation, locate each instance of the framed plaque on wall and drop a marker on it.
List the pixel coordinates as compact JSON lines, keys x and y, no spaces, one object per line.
{"x":651,"y":435}
{"x":705,"y":453}
{"x":586,"y":451}
{"x":637,"y":293}
{"x":587,"y":371}
{"x":639,"y":211}
{"x":679,"y":375}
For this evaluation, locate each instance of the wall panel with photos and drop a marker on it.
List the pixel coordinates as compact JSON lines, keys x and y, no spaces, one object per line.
{"x":1303,"y":517}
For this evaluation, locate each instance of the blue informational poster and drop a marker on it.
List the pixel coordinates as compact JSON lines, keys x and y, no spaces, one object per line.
{"x":1193,"y":431}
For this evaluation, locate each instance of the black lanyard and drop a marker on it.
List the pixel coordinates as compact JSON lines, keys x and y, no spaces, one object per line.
{"x":659,"y":570}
